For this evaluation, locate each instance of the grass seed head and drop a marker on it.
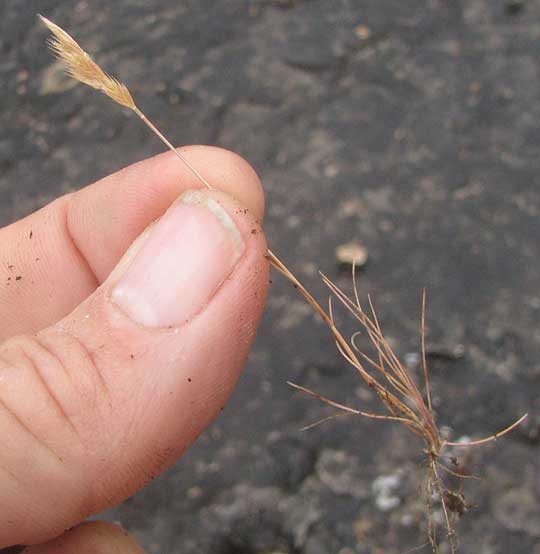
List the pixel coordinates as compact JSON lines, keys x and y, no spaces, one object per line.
{"x":83,"y":68}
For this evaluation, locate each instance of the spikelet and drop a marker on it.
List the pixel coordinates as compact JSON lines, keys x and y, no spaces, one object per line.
{"x":83,"y":68}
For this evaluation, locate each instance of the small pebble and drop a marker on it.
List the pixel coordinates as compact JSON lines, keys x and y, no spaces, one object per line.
{"x":194,"y":492}
{"x":383,"y":489}
{"x":362,"y":32}
{"x":351,"y":253}
{"x":412,"y":360}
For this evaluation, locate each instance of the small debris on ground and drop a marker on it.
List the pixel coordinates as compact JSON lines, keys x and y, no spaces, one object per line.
{"x":362,"y":32}
{"x":445,"y":352}
{"x":384,"y":488}
{"x":513,"y":7}
{"x":412,"y":360}
{"x":351,"y":253}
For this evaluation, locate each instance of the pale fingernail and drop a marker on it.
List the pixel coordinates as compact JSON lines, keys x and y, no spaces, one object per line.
{"x":189,"y":252}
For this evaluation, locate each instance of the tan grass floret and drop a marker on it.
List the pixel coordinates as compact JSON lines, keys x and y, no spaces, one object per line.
{"x":83,"y":68}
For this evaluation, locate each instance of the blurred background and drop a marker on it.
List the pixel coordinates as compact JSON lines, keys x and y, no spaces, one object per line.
{"x":409,"y":127}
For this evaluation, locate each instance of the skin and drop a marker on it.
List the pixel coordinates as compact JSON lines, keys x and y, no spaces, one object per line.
{"x":92,"y":404}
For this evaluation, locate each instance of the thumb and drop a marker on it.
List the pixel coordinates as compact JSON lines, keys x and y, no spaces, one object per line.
{"x":95,"y":406}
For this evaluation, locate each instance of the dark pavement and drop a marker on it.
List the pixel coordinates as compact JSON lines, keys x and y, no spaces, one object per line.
{"x":410,"y":126}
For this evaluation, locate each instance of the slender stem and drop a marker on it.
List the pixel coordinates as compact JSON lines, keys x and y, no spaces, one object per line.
{"x":424,"y":356}
{"x":493,"y":437}
{"x":450,"y":533}
{"x":163,"y":139}
{"x":347,"y":408}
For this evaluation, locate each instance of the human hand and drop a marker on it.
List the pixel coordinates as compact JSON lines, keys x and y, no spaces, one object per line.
{"x":113,"y":362}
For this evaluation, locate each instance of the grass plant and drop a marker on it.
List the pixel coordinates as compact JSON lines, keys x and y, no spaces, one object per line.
{"x":402,"y":398}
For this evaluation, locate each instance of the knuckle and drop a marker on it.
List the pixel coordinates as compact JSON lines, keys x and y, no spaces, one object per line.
{"x":55,"y":419}
{"x":59,"y":376}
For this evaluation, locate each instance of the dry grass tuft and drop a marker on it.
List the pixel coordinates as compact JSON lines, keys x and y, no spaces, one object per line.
{"x":404,"y":400}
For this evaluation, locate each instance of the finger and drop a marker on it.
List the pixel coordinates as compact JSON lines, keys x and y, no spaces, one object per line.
{"x":53,"y":259}
{"x":94,"y":537}
{"x":95,"y":406}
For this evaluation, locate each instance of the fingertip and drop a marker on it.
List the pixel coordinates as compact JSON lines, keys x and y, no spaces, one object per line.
{"x":229,"y":172}
{"x":105,"y":218}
